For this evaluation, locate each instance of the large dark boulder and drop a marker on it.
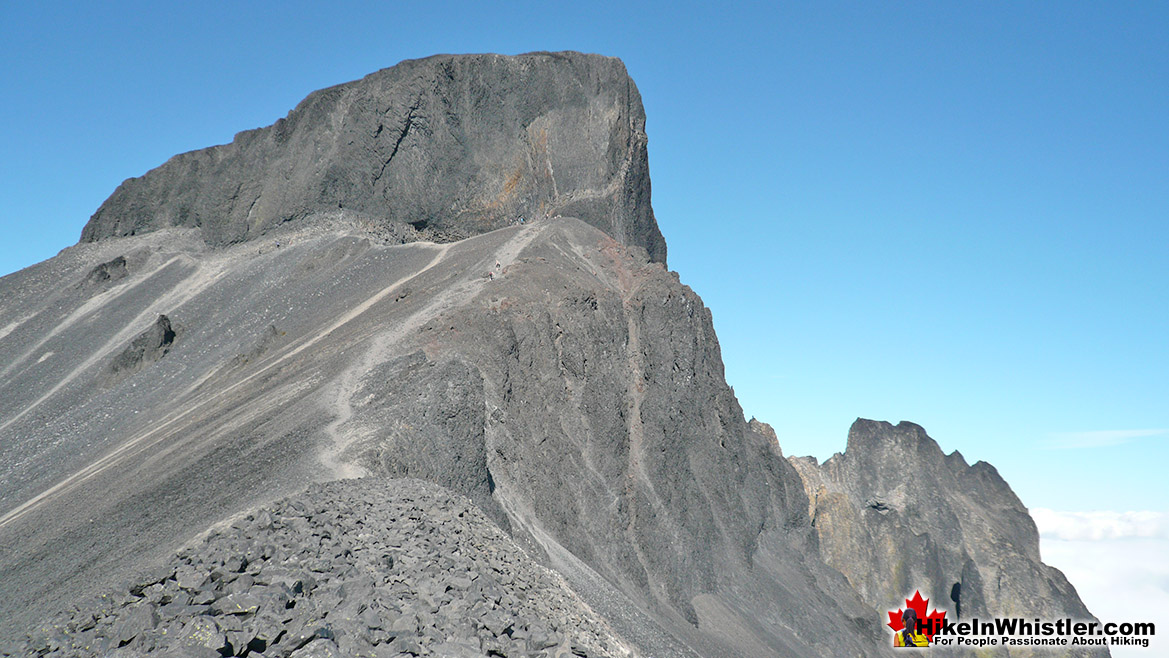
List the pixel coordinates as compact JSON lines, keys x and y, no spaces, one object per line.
{"x":149,"y":346}
{"x":441,"y":148}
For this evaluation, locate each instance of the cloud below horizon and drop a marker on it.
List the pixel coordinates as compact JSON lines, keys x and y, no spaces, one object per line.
{"x":1118,"y":579}
{"x":1097,"y":526}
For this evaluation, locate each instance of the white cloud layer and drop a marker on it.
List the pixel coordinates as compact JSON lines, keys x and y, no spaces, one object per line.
{"x":1096,"y":526}
{"x":1119,"y":580}
{"x":1098,"y":439}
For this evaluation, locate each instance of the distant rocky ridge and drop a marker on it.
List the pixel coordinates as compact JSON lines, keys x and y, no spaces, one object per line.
{"x":896,"y":515}
{"x":440,"y":148}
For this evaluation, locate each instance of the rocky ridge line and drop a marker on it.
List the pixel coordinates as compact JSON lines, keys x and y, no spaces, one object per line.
{"x":361,"y":568}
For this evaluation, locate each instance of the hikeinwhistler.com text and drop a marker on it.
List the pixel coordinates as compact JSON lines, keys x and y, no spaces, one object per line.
{"x":1017,"y":632}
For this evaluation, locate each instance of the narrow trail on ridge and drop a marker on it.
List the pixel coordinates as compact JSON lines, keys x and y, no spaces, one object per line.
{"x":158,"y":433}
{"x":381,"y":347}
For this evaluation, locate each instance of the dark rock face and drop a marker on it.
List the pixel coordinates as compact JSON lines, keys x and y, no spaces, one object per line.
{"x":584,"y":388}
{"x":352,"y":568}
{"x":105,"y":274}
{"x":894,"y":515}
{"x":452,"y":146}
{"x":149,"y":346}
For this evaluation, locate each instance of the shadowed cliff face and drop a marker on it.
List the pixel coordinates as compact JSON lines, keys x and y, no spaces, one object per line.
{"x":438,"y":149}
{"x":894,"y":515}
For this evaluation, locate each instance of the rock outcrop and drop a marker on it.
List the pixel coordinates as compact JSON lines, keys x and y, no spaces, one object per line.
{"x":895,"y":515}
{"x":149,"y":346}
{"x":440,"y":148}
{"x":105,"y":274}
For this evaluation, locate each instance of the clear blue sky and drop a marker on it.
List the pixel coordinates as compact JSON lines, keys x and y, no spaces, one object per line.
{"x":950,"y":213}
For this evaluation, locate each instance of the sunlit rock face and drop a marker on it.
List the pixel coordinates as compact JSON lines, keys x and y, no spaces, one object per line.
{"x":440,"y":148}
{"x":896,"y":515}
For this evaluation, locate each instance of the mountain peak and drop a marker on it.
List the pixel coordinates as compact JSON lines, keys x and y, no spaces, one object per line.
{"x":440,"y":149}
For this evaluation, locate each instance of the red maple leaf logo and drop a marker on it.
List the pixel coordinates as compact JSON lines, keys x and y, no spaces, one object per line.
{"x":930,"y":623}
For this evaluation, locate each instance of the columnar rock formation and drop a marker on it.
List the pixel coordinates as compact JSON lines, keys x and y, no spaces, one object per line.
{"x":439,"y":148}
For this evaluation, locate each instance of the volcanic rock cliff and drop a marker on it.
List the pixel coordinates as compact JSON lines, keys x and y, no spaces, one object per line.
{"x":439,"y":148}
{"x":193,"y":361}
